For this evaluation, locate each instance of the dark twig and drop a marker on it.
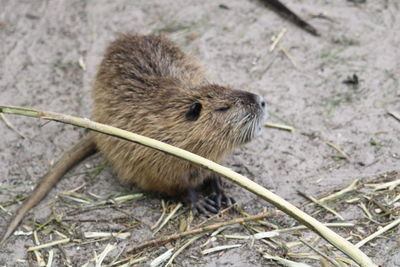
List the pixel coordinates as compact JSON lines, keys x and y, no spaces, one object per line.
{"x":285,"y":12}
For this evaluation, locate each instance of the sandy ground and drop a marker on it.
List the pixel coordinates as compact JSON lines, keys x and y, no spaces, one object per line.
{"x":42,"y":43}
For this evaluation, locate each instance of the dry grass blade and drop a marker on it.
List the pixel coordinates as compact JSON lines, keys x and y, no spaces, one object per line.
{"x":5,"y":210}
{"x":301,"y":227}
{"x":389,"y":185}
{"x":394,"y":200}
{"x":105,"y":234}
{"x":168,"y":217}
{"x":9,"y":125}
{"x":353,"y":186}
{"x":219,"y":248}
{"x":50,"y":258}
{"x":279,"y":126}
{"x":275,"y":43}
{"x":103,"y":255}
{"x":118,"y":254}
{"x":38,"y":255}
{"x":162,"y":258}
{"x":179,"y":250}
{"x":303,"y":255}
{"x":131,"y":262}
{"x":260,"y":235}
{"x":345,"y":261}
{"x":22,"y":233}
{"x":74,"y":189}
{"x":333,"y":238}
{"x":82,"y":63}
{"x":120,"y":199}
{"x":220,"y":230}
{"x":277,"y":39}
{"x":322,"y":205}
{"x":76,"y":199}
{"x":287,"y":54}
{"x":366,"y":211}
{"x":319,"y":252}
{"x":50,"y":244}
{"x":379,"y":232}
{"x":285,"y":262}
{"x":135,"y":261}
{"x":161,"y":217}
{"x":338,"y":149}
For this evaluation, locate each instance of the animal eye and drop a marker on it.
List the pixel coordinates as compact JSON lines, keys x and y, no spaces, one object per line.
{"x":222,"y":109}
{"x":194,"y":111}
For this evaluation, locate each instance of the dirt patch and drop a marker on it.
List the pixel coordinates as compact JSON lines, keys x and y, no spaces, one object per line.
{"x":42,"y":44}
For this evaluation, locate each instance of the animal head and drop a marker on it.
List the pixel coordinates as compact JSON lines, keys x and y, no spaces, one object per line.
{"x":218,"y":118}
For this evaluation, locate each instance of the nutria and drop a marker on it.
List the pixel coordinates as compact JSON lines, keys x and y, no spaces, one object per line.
{"x":147,"y":85}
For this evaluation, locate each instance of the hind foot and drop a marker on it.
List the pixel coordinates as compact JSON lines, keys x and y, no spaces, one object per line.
{"x":218,"y":195}
{"x":200,"y":205}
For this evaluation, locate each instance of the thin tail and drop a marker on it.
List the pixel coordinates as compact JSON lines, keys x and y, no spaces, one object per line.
{"x":84,"y":148}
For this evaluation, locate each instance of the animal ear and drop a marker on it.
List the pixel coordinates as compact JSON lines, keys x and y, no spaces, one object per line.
{"x":194,"y":111}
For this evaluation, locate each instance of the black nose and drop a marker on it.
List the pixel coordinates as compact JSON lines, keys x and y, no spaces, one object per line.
{"x":261,"y":102}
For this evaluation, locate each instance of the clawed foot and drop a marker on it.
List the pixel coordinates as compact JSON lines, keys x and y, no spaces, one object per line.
{"x":212,"y":203}
{"x":200,"y":205}
{"x":218,"y":195}
{"x":204,"y":206}
{"x":222,"y":199}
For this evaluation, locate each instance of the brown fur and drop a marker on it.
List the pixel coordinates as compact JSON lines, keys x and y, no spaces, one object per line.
{"x":146,"y":85}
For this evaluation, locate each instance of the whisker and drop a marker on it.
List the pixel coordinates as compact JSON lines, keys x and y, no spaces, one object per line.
{"x":248,"y":126}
